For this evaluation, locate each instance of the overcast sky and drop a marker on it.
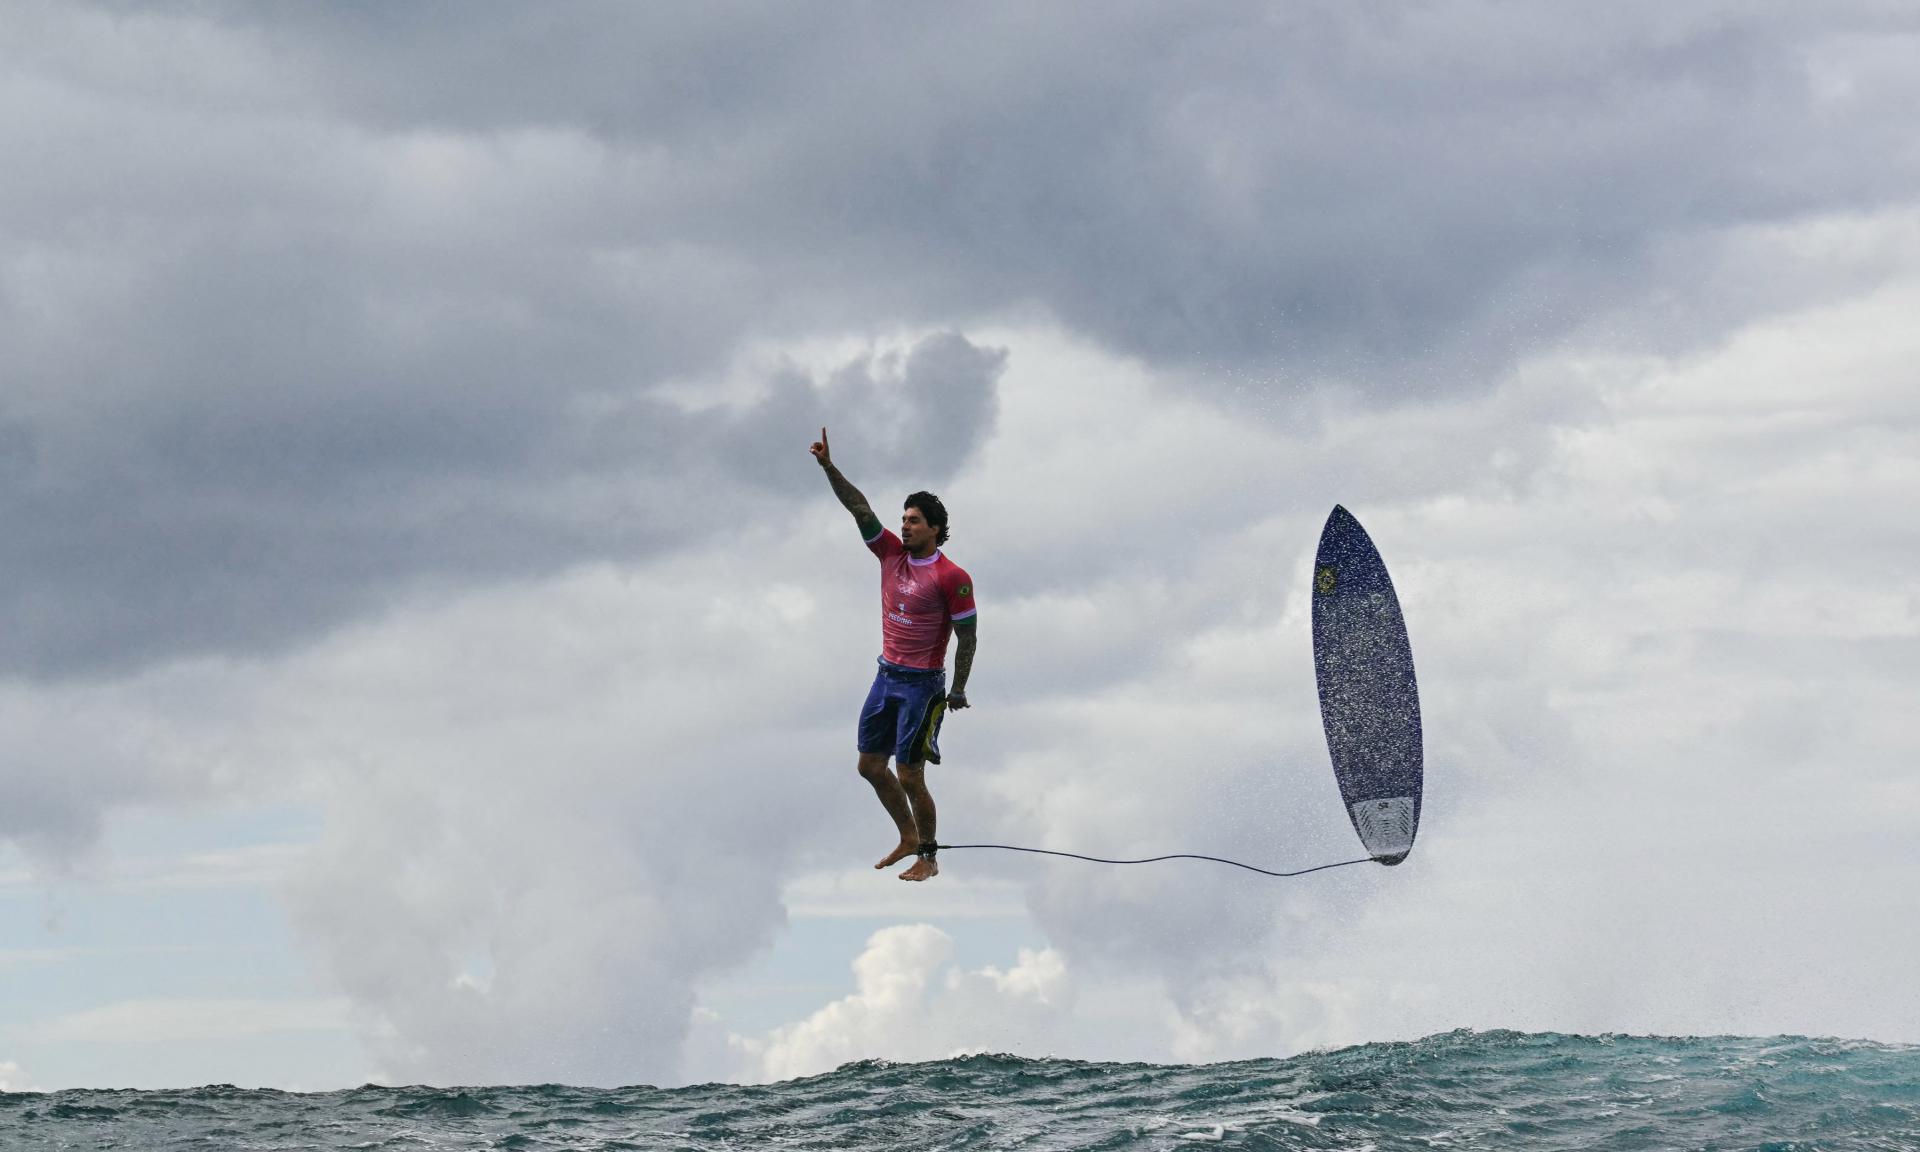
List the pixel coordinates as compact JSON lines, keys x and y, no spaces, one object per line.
{"x":429,"y":654}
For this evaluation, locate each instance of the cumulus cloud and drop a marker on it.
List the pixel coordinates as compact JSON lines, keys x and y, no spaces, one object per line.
{"x":1665,"y":636}
{"x":522,"y":881}
{"x":14,"y":1079}
{"x":911,"y":1003}
{"x":1663,"y":627}
{"x":525,"y":871}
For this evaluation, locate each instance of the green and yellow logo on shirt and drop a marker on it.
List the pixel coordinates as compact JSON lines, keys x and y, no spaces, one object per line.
{"x":966,"y":589}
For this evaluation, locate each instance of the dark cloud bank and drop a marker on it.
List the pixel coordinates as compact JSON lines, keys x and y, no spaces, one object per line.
{"x":306,"y":304}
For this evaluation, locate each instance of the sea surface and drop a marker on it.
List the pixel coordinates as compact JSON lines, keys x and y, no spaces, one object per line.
{"x":1458,"y":1090}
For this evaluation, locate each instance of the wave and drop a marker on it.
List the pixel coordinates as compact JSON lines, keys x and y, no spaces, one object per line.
{"x":1460,"y":1089}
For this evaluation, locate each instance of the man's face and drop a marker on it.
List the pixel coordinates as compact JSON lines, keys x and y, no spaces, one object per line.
{"x":915,"y":532}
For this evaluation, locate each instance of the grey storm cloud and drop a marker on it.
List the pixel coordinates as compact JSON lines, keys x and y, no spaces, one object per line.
{"x":300,"y":304}
{"x":1317,"y":188}
{"x":242,"y":522}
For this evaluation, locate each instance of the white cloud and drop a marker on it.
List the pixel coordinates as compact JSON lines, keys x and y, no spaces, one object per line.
{"x":14,"y":1079}
{"x":1664,"y":621}
{"x":863,"y":893}
{"x":910,"y":1003}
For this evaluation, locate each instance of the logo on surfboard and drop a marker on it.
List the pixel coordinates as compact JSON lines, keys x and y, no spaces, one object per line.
{"x":1324,"y":580}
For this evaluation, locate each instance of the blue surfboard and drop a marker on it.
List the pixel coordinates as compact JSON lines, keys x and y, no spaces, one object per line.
{"x":1369,"y":703}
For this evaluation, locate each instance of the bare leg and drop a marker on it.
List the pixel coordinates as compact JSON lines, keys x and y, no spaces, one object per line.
{"x":873,"y":766}
{"x":913,"y":782}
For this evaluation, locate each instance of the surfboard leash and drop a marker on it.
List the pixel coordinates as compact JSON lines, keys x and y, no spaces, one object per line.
{"x":1149,"y":859}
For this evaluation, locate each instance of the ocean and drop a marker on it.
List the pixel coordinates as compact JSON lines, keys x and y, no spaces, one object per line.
{"x":1461,"y":1090}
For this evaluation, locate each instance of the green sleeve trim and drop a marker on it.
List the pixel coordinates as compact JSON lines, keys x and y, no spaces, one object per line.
{"x":870,"y":530}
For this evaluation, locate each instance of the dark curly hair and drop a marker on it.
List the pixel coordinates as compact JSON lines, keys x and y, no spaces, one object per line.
{"x":933,"y":510}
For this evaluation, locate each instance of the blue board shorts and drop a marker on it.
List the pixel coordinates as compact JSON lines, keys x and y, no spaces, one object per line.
{"x":902,"y":713}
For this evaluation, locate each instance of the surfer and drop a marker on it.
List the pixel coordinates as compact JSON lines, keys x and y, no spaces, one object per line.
{"x":924,"y":599}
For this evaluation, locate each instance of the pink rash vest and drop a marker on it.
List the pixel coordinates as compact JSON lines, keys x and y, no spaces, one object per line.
{"x":919,"y":601}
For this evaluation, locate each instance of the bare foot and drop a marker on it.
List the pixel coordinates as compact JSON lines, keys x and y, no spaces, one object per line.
{"x":926,"y":869}
{"x":906,"y":849}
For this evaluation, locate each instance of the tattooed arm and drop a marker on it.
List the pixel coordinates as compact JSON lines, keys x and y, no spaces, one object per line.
{"x":844,"y":489}
{"x":969,"y":632}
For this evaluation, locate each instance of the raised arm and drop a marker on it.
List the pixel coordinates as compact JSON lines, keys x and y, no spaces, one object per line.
{"x":844,"y":489}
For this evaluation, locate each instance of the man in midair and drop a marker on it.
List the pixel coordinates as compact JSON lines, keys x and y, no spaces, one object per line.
{"x":925,"y":598}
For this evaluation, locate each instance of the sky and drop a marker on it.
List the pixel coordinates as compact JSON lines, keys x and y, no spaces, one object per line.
{"x":429,"y":654}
